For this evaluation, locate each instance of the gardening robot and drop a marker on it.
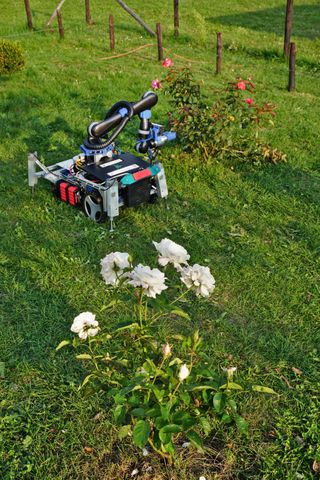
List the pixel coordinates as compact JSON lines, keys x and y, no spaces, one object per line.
{"x":102,"y":178}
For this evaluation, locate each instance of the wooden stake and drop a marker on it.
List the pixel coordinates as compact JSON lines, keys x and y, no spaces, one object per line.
{"x":111,"y":32}
{"x":288,"y":27}
{"x":176,"y":21}
{"x":29,"y":14}
{"x":88,"y":13}
{"x":219,"y":53}
{"x":136,"y":17}
{"x":60,"y":26}
{"x":53,"y":16}
{"x":292,"y":67}
{"x":160,"y":45}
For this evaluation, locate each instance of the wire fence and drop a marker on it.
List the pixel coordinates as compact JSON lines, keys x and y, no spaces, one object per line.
{"x":203,"y":65}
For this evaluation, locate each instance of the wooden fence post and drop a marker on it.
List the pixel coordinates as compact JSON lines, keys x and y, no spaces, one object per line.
{"x":111,"y":32}
{"x":160,"y":45}
{"x":29,"y":14}
{"x":176,"y":21}
{"x":288,"y":27}
{"x":88,"y":13}
{"x":292,"y":67}
{"x":219,"y":53}
{"x":53,"y":16}
{"x":60,"y":25}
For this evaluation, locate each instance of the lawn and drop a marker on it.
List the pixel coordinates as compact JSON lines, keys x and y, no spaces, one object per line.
{"x":257,"y":228}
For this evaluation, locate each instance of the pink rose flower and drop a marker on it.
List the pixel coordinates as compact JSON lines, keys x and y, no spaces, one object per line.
{"x":156,"y":85}
{"x":167,"y":63}
{"x":241,"y":85}
{"x":249,"y":101}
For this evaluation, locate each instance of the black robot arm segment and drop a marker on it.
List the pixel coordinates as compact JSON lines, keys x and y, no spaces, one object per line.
{"x":118,"y":113}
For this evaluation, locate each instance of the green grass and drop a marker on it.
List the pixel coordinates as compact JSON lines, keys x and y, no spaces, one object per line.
{"x":257,"y":229}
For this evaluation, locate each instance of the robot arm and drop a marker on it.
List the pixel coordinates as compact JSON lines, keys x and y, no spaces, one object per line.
{"x":150,"y":136}
{"x":117,"y":118}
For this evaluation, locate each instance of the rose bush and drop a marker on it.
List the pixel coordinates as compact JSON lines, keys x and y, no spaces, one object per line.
{"x":228,"y":126}
{"x":163,"y":389}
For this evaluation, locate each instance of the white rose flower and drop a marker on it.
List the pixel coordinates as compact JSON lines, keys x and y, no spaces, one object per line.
{"x":184,"y":372}
{"x":85,"y":325}
{"x":171,"y":252}
{"x":199,"y":277}
{"x":112,"y":266}
{"x":151,"y":280}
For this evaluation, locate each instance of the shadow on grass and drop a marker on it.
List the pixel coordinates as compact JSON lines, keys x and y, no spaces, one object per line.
{"x":305,"y":21}
{"x":283,"y":179}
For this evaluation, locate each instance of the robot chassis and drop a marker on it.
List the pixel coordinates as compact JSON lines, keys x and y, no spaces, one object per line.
{"x":101,"y":179}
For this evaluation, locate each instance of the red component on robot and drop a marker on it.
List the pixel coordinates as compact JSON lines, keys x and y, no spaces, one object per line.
{"x":142,"y":174}
{"x":63,"y":190}
{"x":72,"y":195}
{"x":68,"y":193}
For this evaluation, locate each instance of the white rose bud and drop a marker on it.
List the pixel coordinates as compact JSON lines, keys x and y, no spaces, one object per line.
{"x":184,"y":372}
{"x":166,"y":350}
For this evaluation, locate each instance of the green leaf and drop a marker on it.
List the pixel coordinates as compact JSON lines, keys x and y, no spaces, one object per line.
{"x":141,"y":433}
{"x":180,"y":313}
{"x":195,"y":439}
{"x":119,"y":413}
{"x":169,"y":448}
{"x":165,"y":437}
{"x":84,"y":356}
{"x":153,"y":412}
{"x":159,"y":394}
{"x":242,"y":425}
{"x":124,"y":431}
{"x":127,"y":326}
{"x":119,"y":399}
{"x":86,"y":380}
{"x":171,"y":428}
{"x":219,"y":401}
{"x":232,"y":386}
{"x":184,"y":419}
{"x":261,"y":389}
{"x":138,"y":412}
{"x":185,"y":397}
{"x":175,"y":361}
{"x":205,"y":424}
{"x":226,"y":418}
{"x":165,"y":411}
{"x":203,"y":387}
{"x":232,"y":404}
{"x":159,"y":423}
{"x":62,"y":344}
